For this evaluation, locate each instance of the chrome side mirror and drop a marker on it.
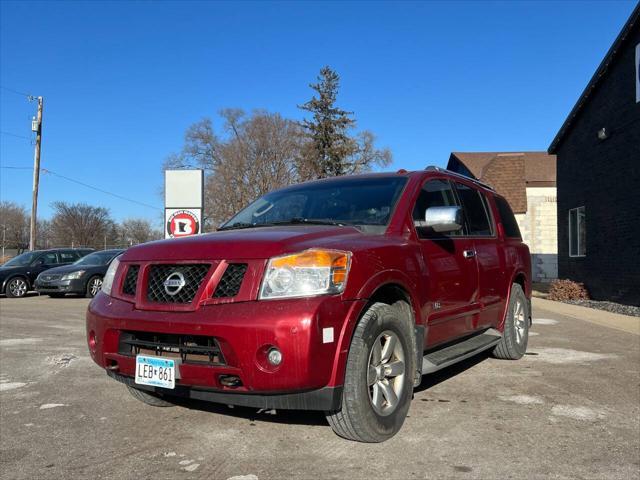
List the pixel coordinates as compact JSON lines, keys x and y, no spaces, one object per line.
{"x":443,"y":219}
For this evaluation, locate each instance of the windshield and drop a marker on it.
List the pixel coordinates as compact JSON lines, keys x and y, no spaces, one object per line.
{"x":22,"y":260}
{"x":98,"y":258}
{"x":361,"y":202}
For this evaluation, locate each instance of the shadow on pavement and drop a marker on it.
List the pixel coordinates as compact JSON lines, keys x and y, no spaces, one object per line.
{"x":302,"y":417}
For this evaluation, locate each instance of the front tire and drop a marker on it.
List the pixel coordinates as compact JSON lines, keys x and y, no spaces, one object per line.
{"x":378,"y":384}
{"x":17,"y":287}
{"x":149,"y":398}
{"x":93,"y":286}
{"x":515,"y":337}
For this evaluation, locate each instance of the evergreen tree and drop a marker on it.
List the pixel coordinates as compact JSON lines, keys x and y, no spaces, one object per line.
{"x":330,"y":145}
{"x":329,"y":150}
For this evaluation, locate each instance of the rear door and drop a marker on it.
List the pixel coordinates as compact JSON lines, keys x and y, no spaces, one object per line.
{"x":481,"y":230}
{"x":450,"y":270}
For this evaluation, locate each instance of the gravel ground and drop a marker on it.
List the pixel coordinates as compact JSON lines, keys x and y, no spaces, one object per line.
{"x":608,"y":306}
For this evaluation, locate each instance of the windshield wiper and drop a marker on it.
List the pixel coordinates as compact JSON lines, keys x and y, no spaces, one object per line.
{"x":310,"y":221}
{"x":238,"y":225}
{"x":291,"y":221}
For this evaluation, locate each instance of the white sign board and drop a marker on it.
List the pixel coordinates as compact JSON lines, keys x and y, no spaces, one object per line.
{"x":182,"y":222}
{"x":183,"y":188}
{"x":183,"y":202}
{"x":638,"y":73}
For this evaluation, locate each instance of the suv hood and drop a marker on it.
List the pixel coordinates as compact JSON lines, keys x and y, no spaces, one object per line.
{"x":250,"y":243}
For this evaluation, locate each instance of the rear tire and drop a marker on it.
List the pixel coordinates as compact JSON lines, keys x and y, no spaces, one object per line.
{"x":515,"y":337}
{"x":378,"y":384}
{"x":153,"y":399}
{"x":17,"y":287}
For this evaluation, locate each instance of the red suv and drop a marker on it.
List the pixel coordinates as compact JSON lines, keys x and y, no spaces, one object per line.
{"x":334,"y":295}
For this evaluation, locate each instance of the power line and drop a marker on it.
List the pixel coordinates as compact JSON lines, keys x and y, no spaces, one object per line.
{"x":29,"y":96}
{"x":14,"y":135}
{"x":16,"y":168}
{"x":45,"y":170}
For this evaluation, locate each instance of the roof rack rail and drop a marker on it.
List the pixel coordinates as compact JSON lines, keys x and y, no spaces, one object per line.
{"x":433,"y":168}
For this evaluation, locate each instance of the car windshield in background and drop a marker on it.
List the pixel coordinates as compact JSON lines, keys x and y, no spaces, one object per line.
{"x":366,"y":203}
{"x":98,"y":258}
{"x":22,"y":260}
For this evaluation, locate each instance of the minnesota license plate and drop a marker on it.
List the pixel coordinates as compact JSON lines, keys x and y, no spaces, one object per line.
{"x":155,"y":371}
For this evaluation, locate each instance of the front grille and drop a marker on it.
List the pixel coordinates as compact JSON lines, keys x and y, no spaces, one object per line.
{"x":131,"y":280}
{"x":231,"y":280}
{"x":188,"y":348}
{"x":192,"y":274}
{"x":50,"y":277}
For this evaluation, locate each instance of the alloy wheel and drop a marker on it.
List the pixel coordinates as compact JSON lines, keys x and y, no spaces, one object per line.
{"x":95,"y":286}
{"x":18,"y":287}
{"x":519,"y":321}
{"x":386,"y":373}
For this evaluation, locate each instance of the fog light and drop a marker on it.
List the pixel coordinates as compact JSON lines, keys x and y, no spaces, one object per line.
{"x":274,"y":356}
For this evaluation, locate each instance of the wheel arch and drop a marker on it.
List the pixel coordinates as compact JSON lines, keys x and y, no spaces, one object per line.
{"x":16,"y":275}
{"x":519,"y":277}
{"x":389,"y":291}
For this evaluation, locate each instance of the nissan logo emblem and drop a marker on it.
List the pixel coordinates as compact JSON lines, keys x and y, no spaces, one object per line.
{"x":174,"y":283}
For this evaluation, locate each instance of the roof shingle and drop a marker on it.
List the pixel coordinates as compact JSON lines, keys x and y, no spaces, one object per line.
{"x":509,"y":173}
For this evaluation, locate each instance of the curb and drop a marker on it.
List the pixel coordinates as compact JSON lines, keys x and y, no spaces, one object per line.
{"x":616,"y":321}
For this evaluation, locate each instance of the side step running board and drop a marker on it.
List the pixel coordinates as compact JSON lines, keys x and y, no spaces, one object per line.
{"x":439,"y":359}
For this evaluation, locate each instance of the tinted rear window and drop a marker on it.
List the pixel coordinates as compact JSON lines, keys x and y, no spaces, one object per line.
{"x":477,"y":217}
{"x":509,"y":223}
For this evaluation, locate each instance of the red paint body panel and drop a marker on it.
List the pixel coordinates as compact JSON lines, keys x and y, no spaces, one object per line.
{"x":470,"y":296}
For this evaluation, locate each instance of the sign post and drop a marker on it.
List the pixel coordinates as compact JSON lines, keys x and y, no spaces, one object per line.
{"x":183,"y":202}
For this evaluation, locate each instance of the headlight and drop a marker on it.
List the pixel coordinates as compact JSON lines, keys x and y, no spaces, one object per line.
{"x":73,"y":276}
{"x":312,"y":272}
{"x":107,"y":281}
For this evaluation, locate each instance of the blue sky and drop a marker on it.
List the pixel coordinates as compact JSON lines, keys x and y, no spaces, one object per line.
{"x":122,"y":81}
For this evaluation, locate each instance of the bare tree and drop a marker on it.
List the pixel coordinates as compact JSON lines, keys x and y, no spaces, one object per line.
{"x":83,"y":225}
{"x":45,"y":234}
{"x":252,"y":155}
{"x":14,"y":225}
{"x":137,"y":230}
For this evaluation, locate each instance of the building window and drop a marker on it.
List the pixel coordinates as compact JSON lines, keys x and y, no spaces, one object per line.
{"x":577,"y":233}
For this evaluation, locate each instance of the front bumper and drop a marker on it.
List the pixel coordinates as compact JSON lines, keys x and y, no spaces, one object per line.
{"x":325,"y":399}
{"x":310,"y":375}
{"x":60,"y":286}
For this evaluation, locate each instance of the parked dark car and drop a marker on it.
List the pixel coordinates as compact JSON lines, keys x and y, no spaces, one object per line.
{"x":82,"y":277}
{"x":18,"y":275}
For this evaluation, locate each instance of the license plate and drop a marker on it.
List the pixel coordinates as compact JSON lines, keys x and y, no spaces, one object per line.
{"x":155,"y":371}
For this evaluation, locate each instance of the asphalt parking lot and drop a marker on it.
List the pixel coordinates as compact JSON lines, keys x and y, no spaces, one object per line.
{"x":569,"y":409}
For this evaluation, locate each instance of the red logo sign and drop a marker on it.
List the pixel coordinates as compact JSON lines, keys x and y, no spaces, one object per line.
{"x":182,"y":224}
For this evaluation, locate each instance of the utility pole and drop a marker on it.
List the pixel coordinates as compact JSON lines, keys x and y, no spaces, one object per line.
{"x":4,"y":234}
{"x":36,"y":127}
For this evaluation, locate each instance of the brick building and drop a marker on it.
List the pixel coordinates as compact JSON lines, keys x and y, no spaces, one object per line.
{"x":598,"y":176}
{"x":528,"y":181}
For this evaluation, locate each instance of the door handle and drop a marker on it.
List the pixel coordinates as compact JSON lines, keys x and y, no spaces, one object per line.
{"x":469,"y":253}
